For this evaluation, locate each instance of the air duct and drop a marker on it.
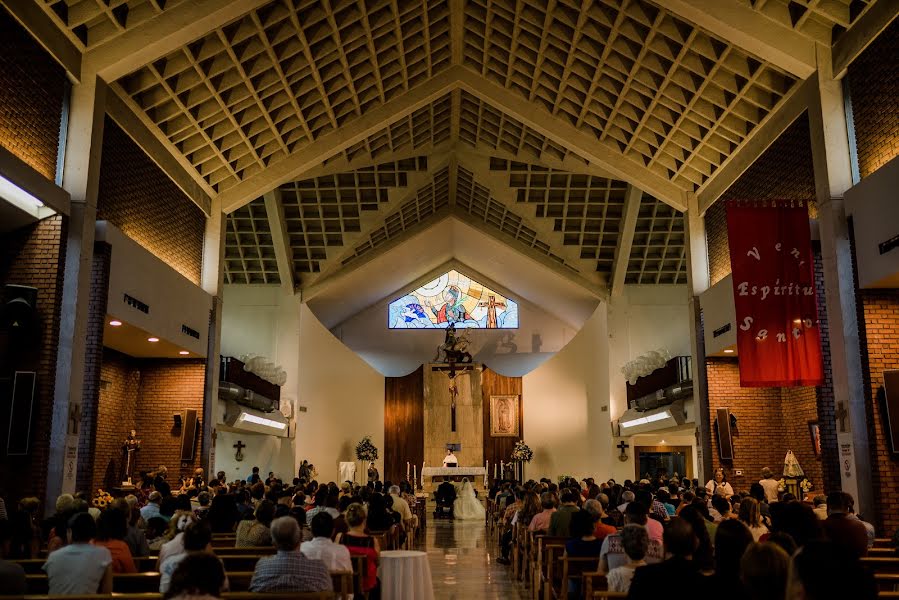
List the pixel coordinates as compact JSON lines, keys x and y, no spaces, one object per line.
{"x":664,"y":397}
{"x":242,"y":419}
{"x":235,"y":393}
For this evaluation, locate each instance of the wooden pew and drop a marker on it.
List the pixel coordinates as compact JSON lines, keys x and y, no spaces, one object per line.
{"x":157,"y":596}
{"x":887,"y":582}
{"x":538,"y":570}
{"x":260,"y":550}
{"x":573,"y":569}
{"x":881,"y":564}
{"x":594,"y":582}
{"x":552,"y":552}
{"x":884,"y":543}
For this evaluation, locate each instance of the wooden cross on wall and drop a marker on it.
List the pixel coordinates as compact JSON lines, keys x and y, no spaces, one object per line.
{"x":841,"y":414}
{"x":623,"y":446}
{"x":238,"y":456}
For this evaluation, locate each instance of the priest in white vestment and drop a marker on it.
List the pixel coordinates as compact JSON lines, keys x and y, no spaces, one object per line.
{"x":450,"y":459}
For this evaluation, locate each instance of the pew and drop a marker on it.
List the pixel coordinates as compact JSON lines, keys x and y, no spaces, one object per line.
{"x":573,"y":569}
{"x":157,"y":596}
{"x":881,"y":564}
{"x":539,"y":565}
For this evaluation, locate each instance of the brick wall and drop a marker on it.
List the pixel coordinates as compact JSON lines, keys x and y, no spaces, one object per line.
{"x":759,"y":436}
{"x":874,"y":88}
{"x":136,"y":196}
{"x":770,"y":421}
{"x":783,"y":172}
{"x":119,"y":383}
{"x":93,"y":360}
{"x":168,"y":387}
{"x":879,"y":338}
{"x":32,"y":86}
{"x":35,"y":256}
{"x":830,"y":459}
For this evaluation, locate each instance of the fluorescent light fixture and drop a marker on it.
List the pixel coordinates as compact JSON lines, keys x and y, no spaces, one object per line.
{"x":248,"y":418}
{"x":184,"y":353}
{"x":115,"y":323}
{"x":18,"y":196}
{"x":647,"y":419}
{"x":153,"y":339}
{"x":729,"y":351}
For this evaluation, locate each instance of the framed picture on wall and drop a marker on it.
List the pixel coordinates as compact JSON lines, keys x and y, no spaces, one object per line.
{"x":504,"y":412}
{"x":815,"y":432}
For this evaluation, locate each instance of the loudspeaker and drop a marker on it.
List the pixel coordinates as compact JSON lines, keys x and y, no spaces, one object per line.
{"x":890,"y":406}
{"x":189,"y":434}
{"x":20,"y":413}
{"x":18,"y":313}
{"x":724,"y":423}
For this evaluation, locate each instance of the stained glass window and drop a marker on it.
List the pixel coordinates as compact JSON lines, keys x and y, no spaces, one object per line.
{"x":453,"y":298}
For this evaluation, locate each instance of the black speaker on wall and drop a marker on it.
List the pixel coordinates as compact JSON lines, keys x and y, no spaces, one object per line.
{"x":890,"y":404}
{"x":189,"y":429}
{"x":18,"y":312}
{"x":724,"y":423}
{"x":21,"y":409}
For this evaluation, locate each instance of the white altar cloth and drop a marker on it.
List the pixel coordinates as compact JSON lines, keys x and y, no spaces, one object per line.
{"x":431,"y":472}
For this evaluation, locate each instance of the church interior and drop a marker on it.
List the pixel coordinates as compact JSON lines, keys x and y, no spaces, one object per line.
{"x":517,"y":247}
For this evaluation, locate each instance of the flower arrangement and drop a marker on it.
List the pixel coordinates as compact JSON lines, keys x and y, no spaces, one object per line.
{"x":366,"y":451}
{"x":521,"y":452}
{"x":781,"y":485}
{"x":805,"y":485}
{"x":564,"y":478}
{"x":102,"y":499}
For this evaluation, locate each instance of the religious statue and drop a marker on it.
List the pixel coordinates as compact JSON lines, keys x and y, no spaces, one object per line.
{"x":454,"y":349}
{"x":130,"y":446}
{"x":373,"y":474}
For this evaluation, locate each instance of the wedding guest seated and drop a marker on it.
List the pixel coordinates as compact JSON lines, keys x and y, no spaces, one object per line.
{"x":335,"y":556}
{"x":203,"y":500}
{"x":197,"y":538}
{"x":825,"y":570}
{"x":12,"y":575}
{"x":223,"y":514}
{"x":582,"y":543}
{"x":66,"y":508}
{"x":112,"y":526}
{"x":199,"y":576}
{"x":600,"y":529}
{"x":302,"y":519}
{"x":378,"y":519}
{"x":155,"y":532}
{"x":697,"y":516}
{"x":731,"y":540}
{"x":152,"y":508}
{"x":80,"y":568}
{"x":135,"y":537}
{"x":751,"y":516}
{"x":289,"y":570}
{"x":560,"y":520}
{"x":843,"y":530}
{"x":796,"y":519}
{"x":256,"y":532}
{"x":820,"y":503}
{"x":175,"y":535}
{"x":613,"y":555}
{"x":635,"y":541}
{"x":723,"y":507}
{"x":360,"y":543}
{"x":763,"y":571}
{"x":654,"y":580}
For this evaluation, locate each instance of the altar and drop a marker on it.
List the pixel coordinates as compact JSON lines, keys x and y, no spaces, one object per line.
{"x":428,"y":474}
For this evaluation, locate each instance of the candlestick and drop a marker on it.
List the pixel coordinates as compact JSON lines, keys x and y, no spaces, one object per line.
{"x":494,"y":470}
{"x":407,"y":471}
{"x":415,"y":475}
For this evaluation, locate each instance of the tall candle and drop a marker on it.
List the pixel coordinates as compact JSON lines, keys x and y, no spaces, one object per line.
{"x":494,"y":470}
{"x":415,"y":475}
{"x":407,"y":471}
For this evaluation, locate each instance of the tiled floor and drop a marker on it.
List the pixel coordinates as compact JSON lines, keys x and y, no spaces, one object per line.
{"x":463,"y":564}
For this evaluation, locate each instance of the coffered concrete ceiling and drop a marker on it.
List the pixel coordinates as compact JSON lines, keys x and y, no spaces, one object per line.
{"x":573,"y":131}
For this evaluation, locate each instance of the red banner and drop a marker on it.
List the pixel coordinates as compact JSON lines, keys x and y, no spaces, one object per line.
{"x":778,"y":339}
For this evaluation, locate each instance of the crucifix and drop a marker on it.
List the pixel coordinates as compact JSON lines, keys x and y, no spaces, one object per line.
{"x":623,"y":446}
{"x":492,"y":305}
{"x":238,"y":456}
{"x":454,"y":391}
{"x":841,"y":414}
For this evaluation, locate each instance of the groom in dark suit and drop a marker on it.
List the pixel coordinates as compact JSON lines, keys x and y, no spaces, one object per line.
{"x":445,"y":495}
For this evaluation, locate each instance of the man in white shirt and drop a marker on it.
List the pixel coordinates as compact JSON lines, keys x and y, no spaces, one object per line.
{"x":769,"y":484}
{"x":450,"y":459}
{"x":335,"y":556}
{"x":152,"y":508}
{"x":401,"y":506}
{"x":80,"y":568}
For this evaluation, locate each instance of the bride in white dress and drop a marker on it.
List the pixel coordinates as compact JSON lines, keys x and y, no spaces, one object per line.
{"x":467,"y":507}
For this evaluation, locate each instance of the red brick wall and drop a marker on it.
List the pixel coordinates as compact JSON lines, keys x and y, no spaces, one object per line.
{"x":35,"y":256}
{"x":136,"y":196}
{"x":879,"y":338}
{"x":759,"y":436}
{"x":32,"y":86}
{"x":874,"y":88}
{"x":783,"y":172}
{"x":168,"y":387}
{"x":770,"y":421}
{"x":119,"y":383}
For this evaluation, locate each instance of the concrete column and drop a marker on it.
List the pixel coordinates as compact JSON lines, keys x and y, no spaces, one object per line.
{"x":833,"y":176}
{"x":212,"y":279}
{"x":697,"y":283}
{"x":81,"y":179}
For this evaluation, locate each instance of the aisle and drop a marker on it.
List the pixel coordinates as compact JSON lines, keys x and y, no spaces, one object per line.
{"x":463,"y":567}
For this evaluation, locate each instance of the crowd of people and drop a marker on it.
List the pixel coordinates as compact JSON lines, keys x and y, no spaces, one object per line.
{"x":673,"y":538}
{"x":312,"y":527}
